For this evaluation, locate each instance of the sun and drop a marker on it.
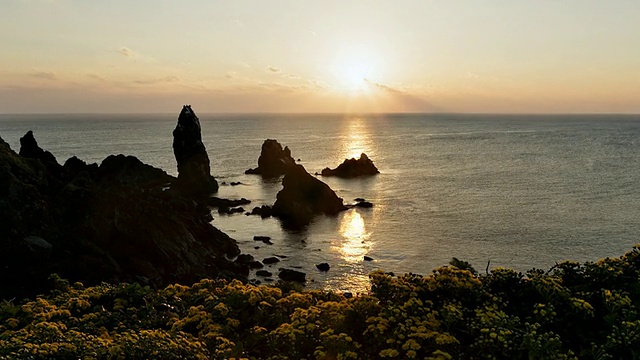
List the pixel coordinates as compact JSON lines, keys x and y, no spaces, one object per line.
{"x":353,"y":74}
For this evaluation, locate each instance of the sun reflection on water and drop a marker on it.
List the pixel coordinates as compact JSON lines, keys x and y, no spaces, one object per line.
{"x":354,"y":243}
{"x":357,"y":140}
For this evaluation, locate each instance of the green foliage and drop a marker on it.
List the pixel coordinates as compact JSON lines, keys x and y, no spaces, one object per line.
{"x":586,"y":311}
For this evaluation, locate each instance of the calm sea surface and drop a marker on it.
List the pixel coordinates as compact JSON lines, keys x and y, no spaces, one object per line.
{"x":521,"y":191}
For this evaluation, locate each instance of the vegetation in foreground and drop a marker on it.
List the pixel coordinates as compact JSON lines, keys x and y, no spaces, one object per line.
{"x":587,"y":311}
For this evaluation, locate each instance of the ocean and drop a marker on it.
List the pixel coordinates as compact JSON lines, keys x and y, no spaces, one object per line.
{"x":516,"y":191}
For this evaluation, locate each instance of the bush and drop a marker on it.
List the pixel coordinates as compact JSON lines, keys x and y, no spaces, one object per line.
{"x":586,"y":311}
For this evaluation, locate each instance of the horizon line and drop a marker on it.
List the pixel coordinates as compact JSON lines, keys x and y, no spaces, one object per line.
{"x":333,"y":113}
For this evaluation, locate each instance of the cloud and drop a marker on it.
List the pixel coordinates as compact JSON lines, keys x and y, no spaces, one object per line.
{"x":294,"y":76}
{"x":96,"y":77}
{"x":127,"y":52}
{"x":244,"y":64}
{"x":230,"y":75}
{"x":281,"y":88}
{"x":273,"y":69}
{"x":407,"y":101}
{"x":44,"y":75}
{"x":383,"y":87}
{"x":166,"y":79}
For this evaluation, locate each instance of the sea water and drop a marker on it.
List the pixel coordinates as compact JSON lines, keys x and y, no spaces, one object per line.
{"x":518,"y":191}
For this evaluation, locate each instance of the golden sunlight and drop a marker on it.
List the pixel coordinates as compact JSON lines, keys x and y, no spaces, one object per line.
{"x":354,"y":235}
{"x":355,"y":77}
{"x":352,"y":72}
{"x":357,"y":140}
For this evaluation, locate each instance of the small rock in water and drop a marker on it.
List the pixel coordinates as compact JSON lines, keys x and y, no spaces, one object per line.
{"x":367,"y":258}
{"x":255,"y":265}
{"x":323,"y":267}
{"x":364,"y":204}
{"x":270,"y":260}
{"x":261,"y":238}
{"x":263,"y":273}
{"x":358,"y":199}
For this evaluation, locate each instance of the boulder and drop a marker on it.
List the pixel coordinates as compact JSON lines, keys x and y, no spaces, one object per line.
{"x":292,"y":275}
{"x":302,"y":197}
{"x":351,"y":168}
{"x":274,"y":161}
{"x":323,"y":266}
{"x":270,"y":260}
{"x":263,"y":273}
{"x":264,"y":211}
{"x":194,"y":172}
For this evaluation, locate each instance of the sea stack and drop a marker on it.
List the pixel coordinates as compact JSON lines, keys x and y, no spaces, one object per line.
{"x":352,"y":168}
{"x":302,"y":197}
{"x":194,"y":172}
{"x":274,"y":161}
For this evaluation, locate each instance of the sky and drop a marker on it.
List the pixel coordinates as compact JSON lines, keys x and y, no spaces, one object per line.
{"x":478,"y":56}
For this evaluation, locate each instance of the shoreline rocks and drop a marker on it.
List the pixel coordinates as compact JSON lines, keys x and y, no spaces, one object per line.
{"x":292,"y":275}
{"x":352,"y":168}
{"x":274,"y":161}
{"x":116,"y":222}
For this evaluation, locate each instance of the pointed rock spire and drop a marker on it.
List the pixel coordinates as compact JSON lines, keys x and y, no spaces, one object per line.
{"x":194,"y":172}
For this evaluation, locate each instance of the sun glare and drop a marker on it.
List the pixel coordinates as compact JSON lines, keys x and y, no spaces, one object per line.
{"x":355,"y":77}
{"x":352,"y":74}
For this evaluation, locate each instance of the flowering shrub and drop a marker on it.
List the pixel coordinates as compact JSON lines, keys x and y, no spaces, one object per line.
{"x":586,"y":311}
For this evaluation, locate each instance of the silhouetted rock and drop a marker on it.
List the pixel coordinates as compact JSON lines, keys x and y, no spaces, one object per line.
{"x":219,"y":202}
{"x":363,"y":204}
{"x":351,"y":168}
{"x":75,"y":166}
{"x":270,"y":260}
{"x":29,"y":148}
{"x":129,"y":171}
{"x":323,"y":267}
{"x":194,"y":172}
{"x":273,"y":161}
{"x":109,"y":223}
{"x":264,"y":211}
{"x":368,"y":258}
{"x":230,"y":211}
{"x":292,"y":275}
{"x":244,"y":259}
{"x":263,"y":273}
{"x":302,"y":197}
